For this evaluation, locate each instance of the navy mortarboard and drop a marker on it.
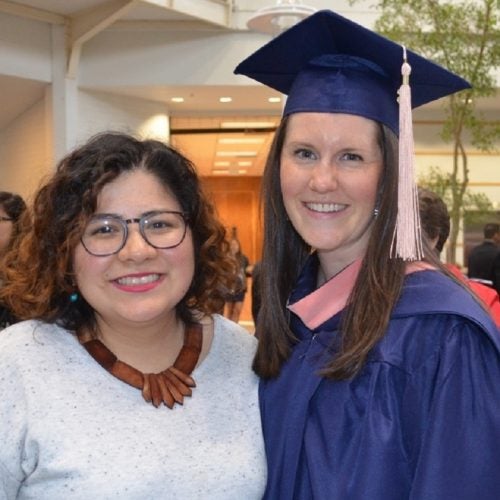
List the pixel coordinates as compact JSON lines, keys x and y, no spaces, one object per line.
{"x":327,"y":63}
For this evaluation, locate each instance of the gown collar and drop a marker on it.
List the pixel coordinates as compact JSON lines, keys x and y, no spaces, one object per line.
{"x":314,"y":305}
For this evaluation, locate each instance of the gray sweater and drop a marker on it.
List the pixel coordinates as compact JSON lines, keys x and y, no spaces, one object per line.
{"x":70,"y":430}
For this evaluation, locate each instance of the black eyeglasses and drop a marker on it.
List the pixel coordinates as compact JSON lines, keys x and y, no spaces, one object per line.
{"x":107,"y":234}
{"x":6,"y":218}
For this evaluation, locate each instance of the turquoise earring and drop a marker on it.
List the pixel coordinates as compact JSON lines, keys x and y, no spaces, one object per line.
{"x":73,"y":297}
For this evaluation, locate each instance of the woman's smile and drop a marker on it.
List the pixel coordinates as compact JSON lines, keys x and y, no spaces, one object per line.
{"x":137,"y":282}
{"x":325,"y":207}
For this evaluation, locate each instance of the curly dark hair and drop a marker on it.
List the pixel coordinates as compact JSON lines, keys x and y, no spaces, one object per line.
{"x":39,"y":274}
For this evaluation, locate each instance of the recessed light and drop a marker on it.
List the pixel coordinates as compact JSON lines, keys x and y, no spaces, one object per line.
{"x":247,"y":124}
{"x":236,"y":154}
{"x":274,"y":99}
{"x":222,"y":163}
{"x":225,"y":99}
{"x":245,"y":163}
{"x":177,"y":99}
{"x":241,"y":140}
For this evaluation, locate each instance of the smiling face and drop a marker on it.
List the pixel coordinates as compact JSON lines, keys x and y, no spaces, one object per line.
{"x":330,"y":167}
{"x":139,"y":285}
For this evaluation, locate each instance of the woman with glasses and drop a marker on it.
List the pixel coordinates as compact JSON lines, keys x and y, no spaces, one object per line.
{"x":122,"y":382}
{"x":12,"y":206}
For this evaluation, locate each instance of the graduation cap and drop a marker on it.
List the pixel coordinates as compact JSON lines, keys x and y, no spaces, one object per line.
{"x":327,"y":63}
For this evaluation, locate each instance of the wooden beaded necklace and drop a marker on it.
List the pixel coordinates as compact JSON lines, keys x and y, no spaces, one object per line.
{"x":170,"y":386}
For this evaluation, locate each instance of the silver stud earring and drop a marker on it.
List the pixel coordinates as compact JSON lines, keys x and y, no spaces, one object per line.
{"x":376,"y":211}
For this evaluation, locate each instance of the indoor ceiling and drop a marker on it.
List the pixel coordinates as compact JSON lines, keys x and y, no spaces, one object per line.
{"x":222,"y":138}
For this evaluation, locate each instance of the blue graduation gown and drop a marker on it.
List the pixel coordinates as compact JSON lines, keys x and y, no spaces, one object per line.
{"x":420,"y":421}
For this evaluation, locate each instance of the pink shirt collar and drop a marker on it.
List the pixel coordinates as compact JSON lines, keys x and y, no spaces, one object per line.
{"x":331,"y":297}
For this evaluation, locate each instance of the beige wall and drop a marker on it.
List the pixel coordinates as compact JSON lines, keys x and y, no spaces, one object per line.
{"x":25,"y":151}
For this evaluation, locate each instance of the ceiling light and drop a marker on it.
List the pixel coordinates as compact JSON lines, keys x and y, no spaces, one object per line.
{"x":222,"y":163}
{"x":237,"y":171}
{"x":236,"y":154}
{"x":225,"y":99}
{"x":245,"y":163}
{"x":274,"y":99}
{"x":241,"y":140}
{"x":247,"y":124}
{"x":277,"y":18}
{"x":177,"y":99}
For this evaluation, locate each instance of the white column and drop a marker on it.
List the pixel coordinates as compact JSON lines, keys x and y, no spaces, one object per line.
{"x":62,"y":99}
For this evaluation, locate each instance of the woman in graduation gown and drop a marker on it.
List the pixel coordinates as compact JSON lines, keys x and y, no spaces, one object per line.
{"x":380,"y":371}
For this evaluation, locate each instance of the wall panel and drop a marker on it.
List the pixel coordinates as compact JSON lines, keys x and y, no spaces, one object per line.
{"x":237,"y":202}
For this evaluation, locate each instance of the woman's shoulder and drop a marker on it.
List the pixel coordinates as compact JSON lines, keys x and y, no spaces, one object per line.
{"x":25,"y":335}
{"x":232,"y":342}
{"x":435,"y":317}
{"x":231,"y":352}
{"x":432,"y":292}
{"x":233,"y":334}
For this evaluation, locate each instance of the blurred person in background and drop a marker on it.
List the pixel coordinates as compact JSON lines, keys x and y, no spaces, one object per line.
{"x":12,"y":207}
{"x":483,"y":264}
{"x":435,"y":221}
{"x":236,"y":296}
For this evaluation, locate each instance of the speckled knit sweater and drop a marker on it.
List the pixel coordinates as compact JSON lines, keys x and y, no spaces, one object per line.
{"x":70,"y":430}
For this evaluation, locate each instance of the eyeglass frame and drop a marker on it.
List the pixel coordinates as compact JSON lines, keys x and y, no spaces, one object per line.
{"x":2,"y":218}
{"x":138,"y":220}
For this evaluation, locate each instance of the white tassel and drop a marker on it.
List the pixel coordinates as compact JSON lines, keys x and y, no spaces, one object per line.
{"x":407,"y":238}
